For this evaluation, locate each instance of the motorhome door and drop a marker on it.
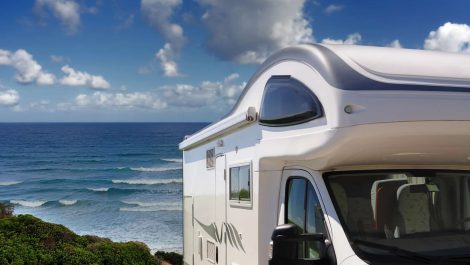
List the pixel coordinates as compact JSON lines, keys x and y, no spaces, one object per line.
{"x":220,"y":208}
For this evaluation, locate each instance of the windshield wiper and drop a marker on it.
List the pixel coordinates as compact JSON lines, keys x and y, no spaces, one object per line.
{"x":395,"y":250}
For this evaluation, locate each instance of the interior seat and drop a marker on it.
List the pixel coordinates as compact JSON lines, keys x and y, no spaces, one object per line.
{"x":414,"y":210}
{"x":384,"y":204}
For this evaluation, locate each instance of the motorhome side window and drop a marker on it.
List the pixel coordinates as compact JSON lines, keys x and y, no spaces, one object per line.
{"x":287,"y":101}
{"x":240,"y":184}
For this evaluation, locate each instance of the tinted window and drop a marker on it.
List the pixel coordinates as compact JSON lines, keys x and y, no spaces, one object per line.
{"x":420,"y":212}
{"x":296,"y":203}
{"x":240,"y":183}
{"x":286,"y":101}
{"x":314,"y":213}
{"x":304,"y":211}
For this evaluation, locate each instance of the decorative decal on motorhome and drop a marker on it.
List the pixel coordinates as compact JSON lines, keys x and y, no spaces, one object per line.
{"x":230,"y":231}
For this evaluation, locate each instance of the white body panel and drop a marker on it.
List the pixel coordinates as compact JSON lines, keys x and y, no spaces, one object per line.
{"x":386,"y":129}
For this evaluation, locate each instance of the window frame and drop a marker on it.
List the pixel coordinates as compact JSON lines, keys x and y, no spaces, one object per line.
{"x":287,"y":78}
{"x":240,"y":203}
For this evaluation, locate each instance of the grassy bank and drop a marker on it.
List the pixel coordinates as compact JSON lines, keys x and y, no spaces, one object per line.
{"x":25,"y":239}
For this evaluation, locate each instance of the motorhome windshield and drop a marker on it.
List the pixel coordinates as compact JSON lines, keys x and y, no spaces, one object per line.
{"x":418,"y":215}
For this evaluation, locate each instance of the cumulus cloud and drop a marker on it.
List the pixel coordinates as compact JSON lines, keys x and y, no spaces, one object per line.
{"x":450,"y":37}
{"x":77,"y":78}
{"x":66,"y":11}
{"x":9,"y":98}
{"x":352,"y":39}
{"x":159,"y":13}
{"x":247,"y":31}
{"x":165,"y":55}
{"x":395,"y":44}
{"x":27,"y":69}
{"x":333,"y":8}
{"x":135,"y":100}
{"x":215,"y":94}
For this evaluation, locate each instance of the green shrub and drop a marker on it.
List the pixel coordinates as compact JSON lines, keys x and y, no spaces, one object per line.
{"x":170,"y":257}
{"x":27,"y":240}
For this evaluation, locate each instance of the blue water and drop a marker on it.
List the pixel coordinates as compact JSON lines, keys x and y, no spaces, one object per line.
{"x":117,"y":180}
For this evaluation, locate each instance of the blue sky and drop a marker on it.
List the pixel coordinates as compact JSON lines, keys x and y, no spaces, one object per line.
{"x":175,"y":60}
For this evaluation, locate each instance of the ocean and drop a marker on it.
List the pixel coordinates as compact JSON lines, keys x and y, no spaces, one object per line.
{"x":122,"y":181}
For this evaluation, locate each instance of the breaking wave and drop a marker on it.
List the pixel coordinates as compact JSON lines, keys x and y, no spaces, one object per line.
{"x":151,"y":206}
{"x":154,"y":169}
{"x":68,"y":202}
{"x":174,"y":160}
{"x":25,"y":203}
{"x":9,"y":183}
{"x":146,"y":181}
{"x":98,"y":189}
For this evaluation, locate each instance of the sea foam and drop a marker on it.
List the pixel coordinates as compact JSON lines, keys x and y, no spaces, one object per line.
{"x":174,"y":160}
{"x":32,"y":204}
{"x":9,"y":183}
{"x":154,"y":169}
{"x":146,"y":181}
{"x":98,"y":189}
{"x":68,"y":202}
{"x":151,"y":206}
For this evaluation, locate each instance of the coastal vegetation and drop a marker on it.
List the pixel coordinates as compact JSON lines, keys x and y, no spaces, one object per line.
{"x":25,"y":240}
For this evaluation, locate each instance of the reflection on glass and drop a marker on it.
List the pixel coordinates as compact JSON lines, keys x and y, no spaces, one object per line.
{"x":240,"y":183}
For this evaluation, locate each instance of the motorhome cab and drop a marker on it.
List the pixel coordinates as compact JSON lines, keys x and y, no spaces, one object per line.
{"x":336,"y":155}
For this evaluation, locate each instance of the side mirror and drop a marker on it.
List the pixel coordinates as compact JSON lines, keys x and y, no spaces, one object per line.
{"x":293,"y":248}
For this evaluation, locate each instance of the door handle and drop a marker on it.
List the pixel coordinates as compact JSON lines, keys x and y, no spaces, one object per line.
{"x":217,"y":255}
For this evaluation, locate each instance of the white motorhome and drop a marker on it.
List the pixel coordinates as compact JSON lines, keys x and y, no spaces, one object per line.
{"x":336,"y":155}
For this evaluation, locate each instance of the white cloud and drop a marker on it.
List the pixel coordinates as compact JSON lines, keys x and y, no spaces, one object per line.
{"x":135,"y":100}
{"x":42,"y":106}
{"x":66,"y":11}
{"x":352,"y":39}
{"x":395,"y":44}
{"x":158,"y":13}
{"x":333,"y":8}
{"x":212,"y":94}
{"x":77,"y":78}
{"x":9,"y":97}
{"x":166,"y":57}
{"x":450,"y":37}
{"x":247,"y":31}
{"x":27,"y":69}
{"x":56,"y":58}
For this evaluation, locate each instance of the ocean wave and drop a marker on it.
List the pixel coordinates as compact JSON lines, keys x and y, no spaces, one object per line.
{"x":151,"y":206}
{"x":25,"y":203}
{"x":9,"y":183}
{"x":146,"y":181}
{"x":98,"y":189}
{"x":68,"y":202}
{"x":175,"y":160}
{"x":135,"y":154}
{"x":154,"y":169}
